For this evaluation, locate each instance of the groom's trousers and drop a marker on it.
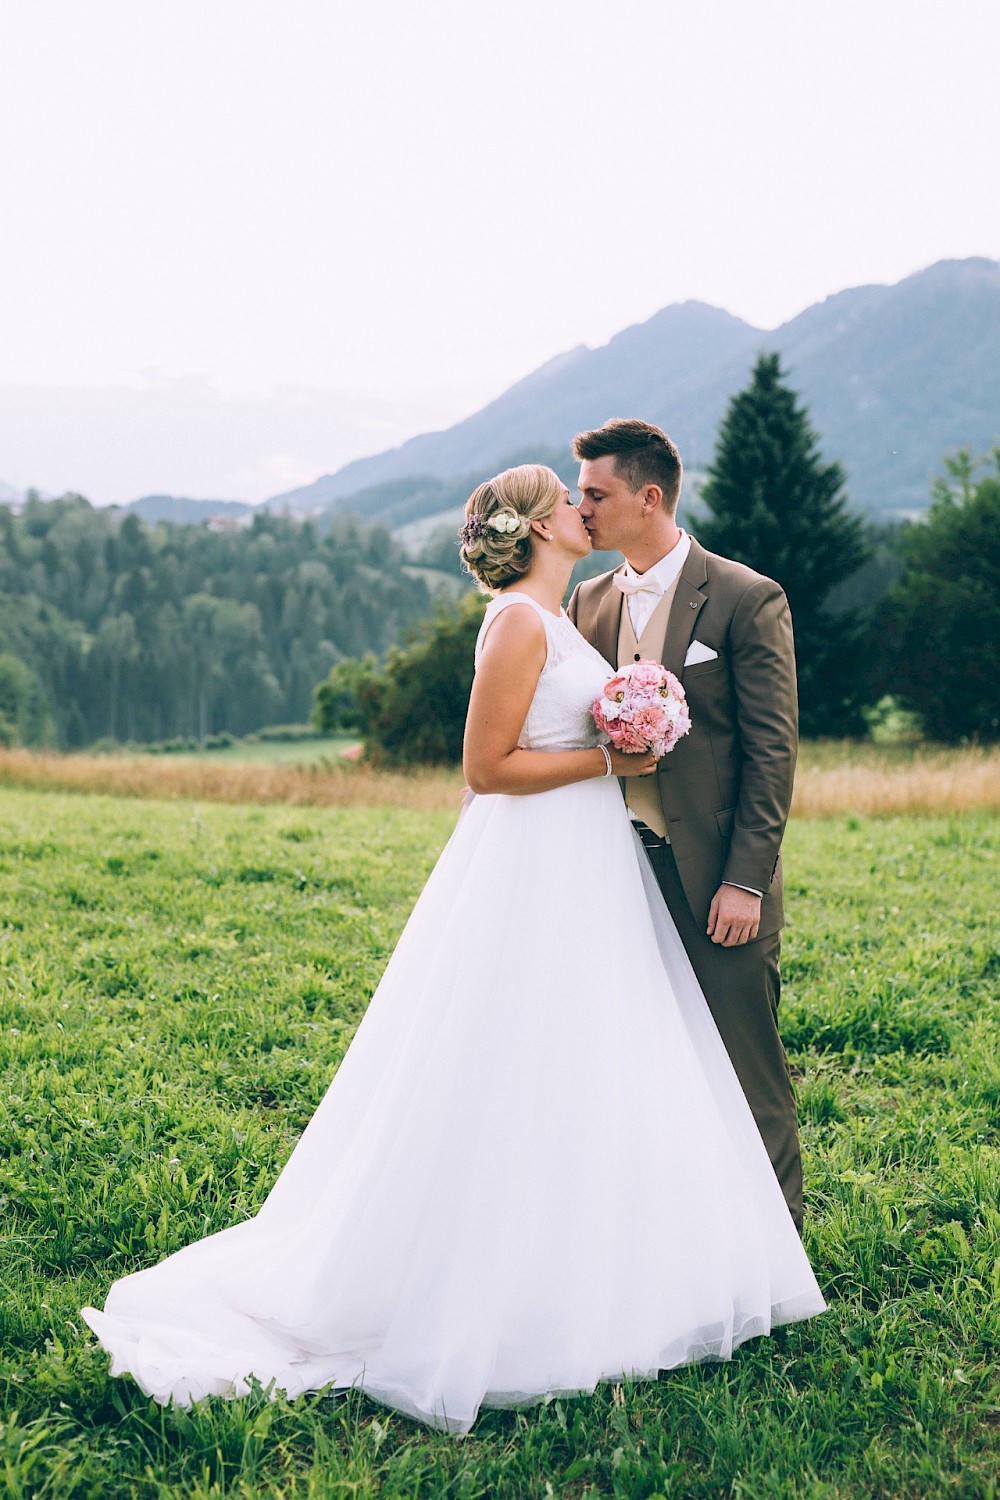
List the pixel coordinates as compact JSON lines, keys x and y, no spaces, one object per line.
{"x":742,"y":986}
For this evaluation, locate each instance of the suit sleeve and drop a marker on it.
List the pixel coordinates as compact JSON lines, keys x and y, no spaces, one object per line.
{"x":763,"y":674}
{"x":574,"y":604}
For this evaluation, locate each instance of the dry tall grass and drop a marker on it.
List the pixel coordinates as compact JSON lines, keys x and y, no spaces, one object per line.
{"x":158,"y":776}
{"x":832,"y":780}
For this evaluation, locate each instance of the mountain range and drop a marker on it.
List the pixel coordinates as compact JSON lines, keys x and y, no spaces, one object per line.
{"x":893,"y":376}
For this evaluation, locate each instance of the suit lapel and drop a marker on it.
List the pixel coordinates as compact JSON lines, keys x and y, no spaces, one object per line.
{"x":689,"y":599}
{"x":608,"y":623}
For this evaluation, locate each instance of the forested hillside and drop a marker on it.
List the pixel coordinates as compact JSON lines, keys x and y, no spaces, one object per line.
{"x":113,"y":628}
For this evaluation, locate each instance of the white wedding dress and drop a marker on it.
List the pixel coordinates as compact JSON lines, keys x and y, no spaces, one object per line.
{"x":534,"y":1169}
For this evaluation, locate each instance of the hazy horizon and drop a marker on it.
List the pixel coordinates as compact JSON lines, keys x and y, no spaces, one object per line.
{"x":277,"y":239}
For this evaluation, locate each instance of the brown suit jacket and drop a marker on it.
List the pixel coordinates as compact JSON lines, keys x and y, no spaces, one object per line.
{"x":726,"y":788}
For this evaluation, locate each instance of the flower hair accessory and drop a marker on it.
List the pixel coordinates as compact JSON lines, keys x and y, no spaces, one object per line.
{"x":504,"y":523}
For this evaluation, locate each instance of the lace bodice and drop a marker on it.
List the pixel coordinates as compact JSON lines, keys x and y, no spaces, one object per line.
{"x":572,"y":677}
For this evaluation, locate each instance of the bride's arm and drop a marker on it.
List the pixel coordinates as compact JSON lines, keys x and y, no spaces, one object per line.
{"x":509,"y":668}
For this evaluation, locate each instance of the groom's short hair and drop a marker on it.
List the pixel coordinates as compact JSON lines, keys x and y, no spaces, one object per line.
{"x":643,"y":455}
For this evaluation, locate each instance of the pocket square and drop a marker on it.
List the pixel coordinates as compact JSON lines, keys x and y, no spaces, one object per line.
{"x":697,"y":652}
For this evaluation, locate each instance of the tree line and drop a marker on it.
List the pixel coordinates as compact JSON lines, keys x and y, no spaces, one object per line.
{"x":887,"y":618}
{"x":112,"y":629}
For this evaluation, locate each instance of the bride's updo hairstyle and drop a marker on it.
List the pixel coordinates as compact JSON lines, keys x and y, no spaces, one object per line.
{"x":496,"y":544}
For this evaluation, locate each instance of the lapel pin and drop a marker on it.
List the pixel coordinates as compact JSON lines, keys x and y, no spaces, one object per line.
{"x":694,"y":604}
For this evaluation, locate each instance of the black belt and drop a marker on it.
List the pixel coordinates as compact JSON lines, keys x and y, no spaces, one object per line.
{"x":650,"y":840}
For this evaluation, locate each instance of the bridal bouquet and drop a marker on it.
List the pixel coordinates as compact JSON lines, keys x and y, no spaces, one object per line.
{"x":643,"y":707}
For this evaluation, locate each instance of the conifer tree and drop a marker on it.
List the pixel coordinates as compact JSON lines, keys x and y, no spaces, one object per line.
{"x":773,"y":503}
{"x":939,"y":630}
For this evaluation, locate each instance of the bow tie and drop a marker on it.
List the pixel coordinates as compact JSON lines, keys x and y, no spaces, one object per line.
{"x":643,"y":585}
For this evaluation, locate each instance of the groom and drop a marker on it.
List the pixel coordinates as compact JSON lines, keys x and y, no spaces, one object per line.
{"x":713,"y":815}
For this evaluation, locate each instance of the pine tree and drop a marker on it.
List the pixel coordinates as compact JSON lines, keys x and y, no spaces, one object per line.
{"x":940,"y":627}
{"x":774,"y":504}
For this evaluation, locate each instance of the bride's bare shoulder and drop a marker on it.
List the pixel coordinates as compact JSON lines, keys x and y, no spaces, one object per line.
{"x":515,"y":636}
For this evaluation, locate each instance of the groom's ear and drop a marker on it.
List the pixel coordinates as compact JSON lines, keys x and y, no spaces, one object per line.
{"x":652,"y":498}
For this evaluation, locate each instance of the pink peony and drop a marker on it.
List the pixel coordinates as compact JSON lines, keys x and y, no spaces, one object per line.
{"x":650,"y":722}
{"x":629,"y":739}
{"x":647,"y":677}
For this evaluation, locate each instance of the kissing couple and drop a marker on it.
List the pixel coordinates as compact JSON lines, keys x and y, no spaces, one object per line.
{"x":562,"y":1146}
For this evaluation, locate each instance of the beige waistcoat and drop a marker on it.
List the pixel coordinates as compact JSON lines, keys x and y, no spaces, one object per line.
{"x":642,"y":793}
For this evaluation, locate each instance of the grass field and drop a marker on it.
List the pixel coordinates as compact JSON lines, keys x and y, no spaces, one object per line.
{"x":178,"y":981}
{"x":322,"y":750}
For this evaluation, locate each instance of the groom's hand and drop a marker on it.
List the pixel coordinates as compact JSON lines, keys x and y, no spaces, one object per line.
{"x":734,"y":916}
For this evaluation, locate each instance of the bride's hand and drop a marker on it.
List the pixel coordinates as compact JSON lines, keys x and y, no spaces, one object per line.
{"x":640,"y":763}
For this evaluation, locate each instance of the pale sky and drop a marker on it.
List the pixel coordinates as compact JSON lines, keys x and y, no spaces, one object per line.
{"x":385,"y":212}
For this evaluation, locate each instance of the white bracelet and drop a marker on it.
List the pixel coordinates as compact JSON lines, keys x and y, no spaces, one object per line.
{"x":607,"y":759}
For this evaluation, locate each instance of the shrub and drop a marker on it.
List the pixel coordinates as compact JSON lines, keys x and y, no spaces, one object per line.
{"x":412,"y":710}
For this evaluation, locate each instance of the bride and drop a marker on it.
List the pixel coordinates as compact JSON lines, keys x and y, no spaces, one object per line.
{"x":535,"y":1168}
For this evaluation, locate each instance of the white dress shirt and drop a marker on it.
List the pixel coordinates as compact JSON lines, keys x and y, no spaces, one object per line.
{"x":659,"y":578}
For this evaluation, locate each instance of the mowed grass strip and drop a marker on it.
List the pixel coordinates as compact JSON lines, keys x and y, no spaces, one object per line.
{"x":178,"y":982}
{"x":833,"y":778}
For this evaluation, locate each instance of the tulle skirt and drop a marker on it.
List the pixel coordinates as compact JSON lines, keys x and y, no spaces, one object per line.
{"x":534,"y":1170}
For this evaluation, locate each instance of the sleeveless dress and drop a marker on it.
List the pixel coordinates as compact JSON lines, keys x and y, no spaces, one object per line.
{"x":534,"y":1169}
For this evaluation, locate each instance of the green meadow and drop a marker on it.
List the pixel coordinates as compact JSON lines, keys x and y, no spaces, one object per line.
{"x":301,"y":751}
{"x":178,"y":982}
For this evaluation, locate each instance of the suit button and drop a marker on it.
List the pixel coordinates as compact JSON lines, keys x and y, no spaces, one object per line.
{"x":638,"y":657}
